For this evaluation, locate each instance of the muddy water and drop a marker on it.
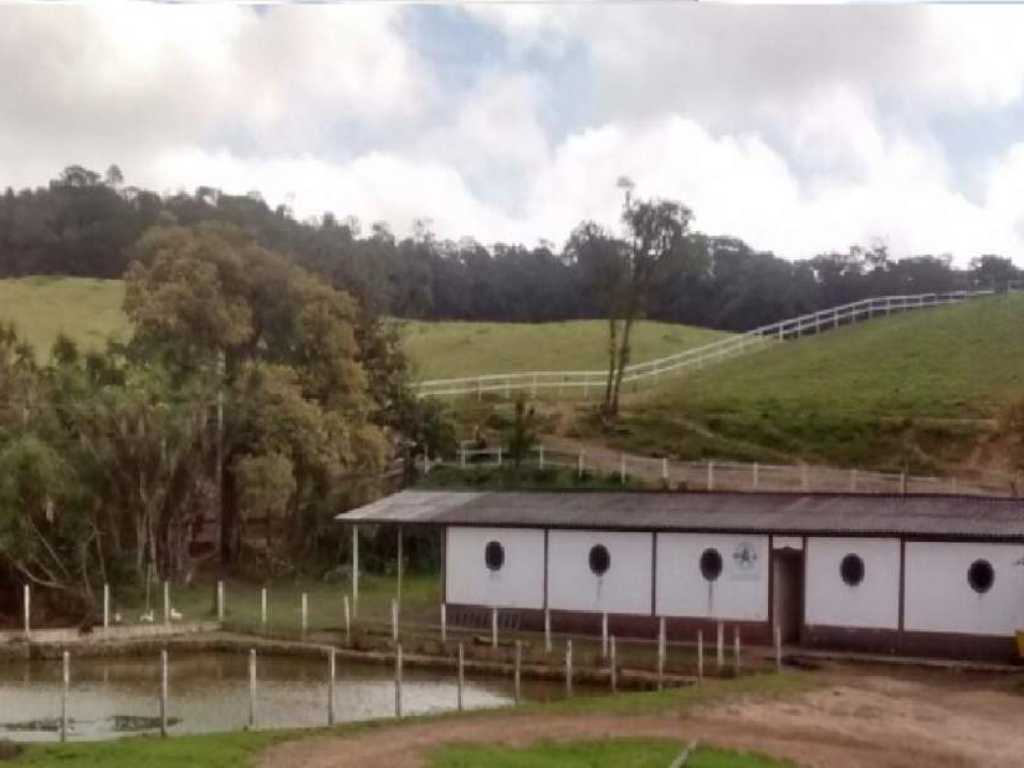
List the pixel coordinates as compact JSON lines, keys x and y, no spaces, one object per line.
{"x":210,"y":692}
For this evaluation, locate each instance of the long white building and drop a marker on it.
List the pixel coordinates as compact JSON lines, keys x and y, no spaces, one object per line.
{"x":928,"y":575}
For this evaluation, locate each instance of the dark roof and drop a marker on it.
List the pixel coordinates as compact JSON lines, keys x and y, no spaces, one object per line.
{"x":794,"y":514}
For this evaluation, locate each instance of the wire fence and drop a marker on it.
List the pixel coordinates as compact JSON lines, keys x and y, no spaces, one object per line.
{"x":719,"y":475}
{"x":651,"y":371}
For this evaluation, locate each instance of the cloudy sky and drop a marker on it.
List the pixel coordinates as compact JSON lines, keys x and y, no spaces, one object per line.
{"x":799,"y":129}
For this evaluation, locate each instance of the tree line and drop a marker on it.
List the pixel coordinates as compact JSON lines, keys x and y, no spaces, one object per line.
{"x":85,"y":223}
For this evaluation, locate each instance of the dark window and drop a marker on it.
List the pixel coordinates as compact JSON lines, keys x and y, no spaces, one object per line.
{"x":981,"y":576}
{"x":494,"y":555}
{"x":711,"y":564}
{"x":852,"y":569}
{"x":600,"y":560}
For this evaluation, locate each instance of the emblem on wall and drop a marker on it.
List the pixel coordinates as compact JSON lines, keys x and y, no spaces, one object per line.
{"x":746,"y":561}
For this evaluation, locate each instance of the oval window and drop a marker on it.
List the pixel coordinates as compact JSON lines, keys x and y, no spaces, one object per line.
{"x":852,"y":569}
{"x":494,"y":556}
{"x":981,"y":576}
{"x":711,"y":564}
{"x":600,"y":559}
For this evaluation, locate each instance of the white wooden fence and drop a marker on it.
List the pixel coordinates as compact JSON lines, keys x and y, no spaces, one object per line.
{"x":718,"y":475}
{"x":691,"y":359}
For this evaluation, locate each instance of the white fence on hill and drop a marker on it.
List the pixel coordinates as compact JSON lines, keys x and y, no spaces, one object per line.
{"x":695,"y":358}
{"x":717,"y":475}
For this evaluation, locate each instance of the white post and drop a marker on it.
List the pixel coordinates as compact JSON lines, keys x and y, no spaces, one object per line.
{"x":664,"y":471}
{"x":426,"y":462}
{"x":711,"y":475}
{"x":66,"y":676}
{"x":604,"y":635}
{"x":518,"y":671}
{"x":26,"y":593}
{"x":736,"y":649}
{"x":622,"y":468}
{"x":220,"y":601}
{"x":167,"y":602}
{"x":398,"y":681}
{"x":444,"y":623}
{"x":355,"y":571}
{"x":853,"y":481}
{"x":700,"y":657}
{"x":499,"y":455}
{"x":547,"y":630}
{"x":348,"y":622}
{"x":804,"y":477}
{"x":331,"y":665}
{"x":263,"y":608}
{"x":903,"y":483}
{"x":304,"y":610}
{"x":494,"y":628}
{"x":778,"y":649}
{"x":106,"y":606}
{"x":398,"y":585}
{"x":163,"y":692}
{"x":394,"y":620}
{"x":661,"y":652}
{"x":252,"y":688}
{"x":461,"y":675}
{"x":568,"y":667}
{"x":579,"y":464}
{"x":540,"y":457}
{"x":612,"y":671}
{"x":462,"y":457}
{"x":720,"y":660}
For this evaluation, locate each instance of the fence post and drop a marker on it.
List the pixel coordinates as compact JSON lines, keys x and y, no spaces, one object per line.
{"x":304,"y":611}
{"x":711,"y":475}
{"x":612,"y":671}
{"x":163,"y":693}
{"x":494,"y":628}
{"x":700,"y":657}
{"x":720,"y":660}
{"x":804,"y":477}
{"x":568,"y":667}
{"x":426,"y":462}
{"x":736,"y":649}
{"x":394,"y":620}
{"x":462,"y":457}
{"x":263,"y":608}
{"x":66,"y":680}
{"x":444,"y":623}
{"x":461,"y":676}
{"x":252,"y":688}
{"x":622,"y":468}
{"x":331,"y":662}
{"x":518,"y":670}
{"x":26,"y":593}
{"x":106,"y":606}
{"x":499,"y":455}
{"x":756,"y":468}
{"x":604,"y":635}
{"x":348,"y":621}
{"x":579,"y":464}
{"x":661,"y":652}
{"x":903,"y":483}
{"x":355,"y":571}
{"x":540,"y":459}
{"x":220,"y":600}
{"x":398,"y":680}
{"x":853,"y":481}
{"x":547,"y":630}
{"x":664,"y":471}
{"x":778,"y":649}
{"x":167,"y":602}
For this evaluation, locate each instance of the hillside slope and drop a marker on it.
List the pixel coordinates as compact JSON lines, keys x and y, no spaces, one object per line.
{"x":918,"y":389}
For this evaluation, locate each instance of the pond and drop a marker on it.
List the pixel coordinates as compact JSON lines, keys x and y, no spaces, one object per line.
{"x":209,"y":692}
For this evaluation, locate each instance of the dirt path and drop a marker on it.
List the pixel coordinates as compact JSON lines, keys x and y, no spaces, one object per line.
{"x":857,"y":720}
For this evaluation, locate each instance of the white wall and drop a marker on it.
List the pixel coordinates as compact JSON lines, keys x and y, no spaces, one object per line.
{"x":625,"y":588}
{"x":740,"y":592}
{"x":518,"y":584}
{"x":939,"y":598}
{"x":874,"y":603}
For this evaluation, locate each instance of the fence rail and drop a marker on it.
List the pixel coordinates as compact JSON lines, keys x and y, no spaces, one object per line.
{"x":697,"y":357}
{"x":718,"y":475}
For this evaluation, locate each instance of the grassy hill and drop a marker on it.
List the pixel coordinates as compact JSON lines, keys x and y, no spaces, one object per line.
{"x":89,"y":311}
{"x":451,"y":349}
{"x":914,"y":388}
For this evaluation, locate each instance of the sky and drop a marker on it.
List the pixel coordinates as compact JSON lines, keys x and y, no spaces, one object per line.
{"x":801,"y":129}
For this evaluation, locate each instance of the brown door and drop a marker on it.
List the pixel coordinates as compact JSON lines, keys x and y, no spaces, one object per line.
{"x":788,"y":592}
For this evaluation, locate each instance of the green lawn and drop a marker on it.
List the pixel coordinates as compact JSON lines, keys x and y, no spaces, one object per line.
{"x":454,"y":349}
{"x":612,"y":753}
{"x":87,"y":310}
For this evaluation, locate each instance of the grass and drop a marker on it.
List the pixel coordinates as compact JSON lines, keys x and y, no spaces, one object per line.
{"x":87,"y":310}
{"x":453,"y":349}
{"x":617,"y":753}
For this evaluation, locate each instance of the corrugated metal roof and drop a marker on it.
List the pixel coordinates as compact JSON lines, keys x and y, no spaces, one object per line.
{"x":840,"y":514}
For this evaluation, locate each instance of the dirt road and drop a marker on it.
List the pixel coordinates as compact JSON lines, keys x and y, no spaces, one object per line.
{"x":859,"y":718}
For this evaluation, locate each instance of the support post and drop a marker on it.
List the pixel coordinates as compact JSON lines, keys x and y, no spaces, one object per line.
{"x":263,"y":608}
{"x":903,"y":483}
{"x":394,"y":620}
{"x":853,"y":481}
{"x":355,"y":571}
{"x":163,"y":693}
{"x":220,"y":601}
{"x":700,"y":657}
{"x":444,"y":623}
{"x":494,"y":628}
{"x":106,"y":606}
{"x":398,"y":681}
{"x":167,"y":602}
{"x":540,"y":457}
{"x":348,"y":622}
{"x":579,"y":464}
{"x":756,"y":480}
{"x":661,"y":652}
{"x":613,"y":667}
{"x":26,"y":594}
{"x":462,"y":457}
{"x":398,"y":586}
{"x":331,"y":668}
{"x":622,"y":468}
{"x":461,"y":675}
{"x":664,"y":471}
{"x":66,"y":684}
{"x":711,"y":475}
{"x":517,"y":673}
{"x":736,"y":650}
{"x":568,"y":667}
{"x":499,"y":456}
{"x":604,"y":635}
{"x":252,"y":688}
{"x":778,"y":649}
{"x":720,"y":650}
{"x":304,"y":611}
{"x":547,"y":630}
